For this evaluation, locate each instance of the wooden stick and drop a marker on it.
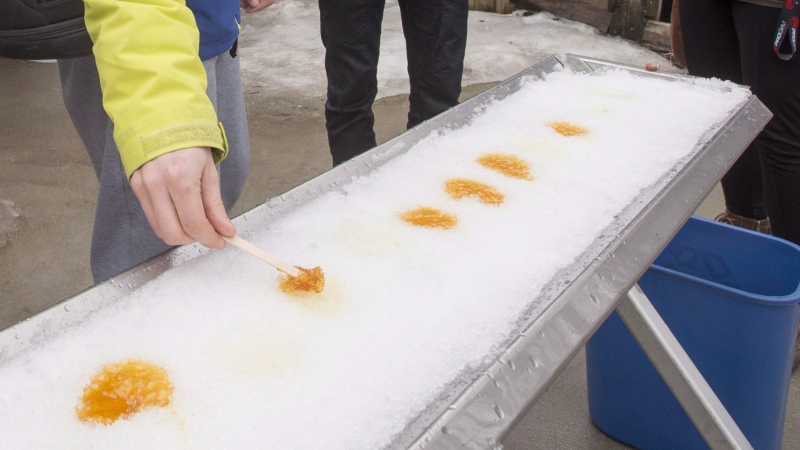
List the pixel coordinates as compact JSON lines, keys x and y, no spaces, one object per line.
{"x":262,"y":255}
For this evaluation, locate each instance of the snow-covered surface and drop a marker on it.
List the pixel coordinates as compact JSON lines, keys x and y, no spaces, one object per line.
{"x":282,"y":54}
{"x":404,"y":310}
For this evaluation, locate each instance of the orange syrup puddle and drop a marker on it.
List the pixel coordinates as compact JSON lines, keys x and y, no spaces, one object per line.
{"x":567,"y":129}
{"x":458,"y":188}
{"x":123,"y":389}
{"x":508,"y":165}
{"x":310,"y":280}
{"x":430,"y":218}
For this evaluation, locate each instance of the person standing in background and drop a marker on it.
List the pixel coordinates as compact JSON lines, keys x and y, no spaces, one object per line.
{"x":436,"y":38}
{"x":158,"y":104}
{"x":735,"y":40}
{"x":752,"y":42}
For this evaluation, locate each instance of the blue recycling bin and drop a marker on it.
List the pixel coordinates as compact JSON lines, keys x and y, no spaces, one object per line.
{"x":730,"y":297}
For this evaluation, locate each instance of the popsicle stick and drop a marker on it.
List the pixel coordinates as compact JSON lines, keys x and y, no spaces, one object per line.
{"x":262,"y":255}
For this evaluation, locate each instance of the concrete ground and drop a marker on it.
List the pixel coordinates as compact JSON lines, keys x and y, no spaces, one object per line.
{"x":47,"y":197}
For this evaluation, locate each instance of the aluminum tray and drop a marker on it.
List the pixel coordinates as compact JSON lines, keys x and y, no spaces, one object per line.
{"x":483,"y":404}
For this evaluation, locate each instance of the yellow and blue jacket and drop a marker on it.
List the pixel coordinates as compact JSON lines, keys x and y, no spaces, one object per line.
{"x":149,"y":56}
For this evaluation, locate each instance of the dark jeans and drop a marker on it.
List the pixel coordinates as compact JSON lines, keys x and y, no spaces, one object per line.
{"x":732,"y":40}
{"x":436,"y":36}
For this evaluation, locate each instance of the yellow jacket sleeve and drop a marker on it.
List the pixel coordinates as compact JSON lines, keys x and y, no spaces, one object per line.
{"x":153,"y":82}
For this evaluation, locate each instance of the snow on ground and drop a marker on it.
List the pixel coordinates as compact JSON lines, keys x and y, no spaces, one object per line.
{"x":283,"y":56}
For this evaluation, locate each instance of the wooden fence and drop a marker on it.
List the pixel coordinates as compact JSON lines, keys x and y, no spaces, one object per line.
{"x":644,"y":21}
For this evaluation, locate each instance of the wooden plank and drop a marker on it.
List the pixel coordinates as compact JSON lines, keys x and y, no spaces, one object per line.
{"x":504,"y":6}
{"x":481,"y":5}
{"x":652,"y":9}
{"x":628,"y":19}
{"x":635,"y":20}
{"x":616,"y":7}
{"x":578,"y":10}
{"x":495,"y":6}
{"x":599,"y":4}
{"x":656,"y":36}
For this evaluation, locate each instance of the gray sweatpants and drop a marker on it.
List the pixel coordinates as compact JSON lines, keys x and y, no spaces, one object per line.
{"x":122,"y":237}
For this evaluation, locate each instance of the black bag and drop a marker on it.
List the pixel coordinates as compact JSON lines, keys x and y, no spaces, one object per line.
{"x":43,"y":29}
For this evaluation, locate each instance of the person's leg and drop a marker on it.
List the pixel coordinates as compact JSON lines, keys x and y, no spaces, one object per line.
{"x":436,"y":38}
{"x":121,"y":236}
{"x":351,"y":31}
{"x":224,"y":79}
{"x":774,"y":81}
{"x":711,"y":49}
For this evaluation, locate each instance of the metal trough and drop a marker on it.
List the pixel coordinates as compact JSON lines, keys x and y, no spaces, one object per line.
{"x":483,"y":405}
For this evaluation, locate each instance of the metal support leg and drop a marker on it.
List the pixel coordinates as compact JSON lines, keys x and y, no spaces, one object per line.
{"x":679,"y":372}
